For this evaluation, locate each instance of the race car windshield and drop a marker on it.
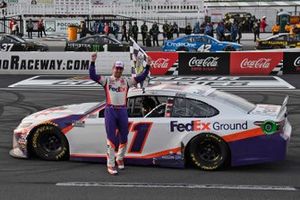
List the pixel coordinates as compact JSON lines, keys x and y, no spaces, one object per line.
{"x":234,"y":100}
{"x":18,"y":39}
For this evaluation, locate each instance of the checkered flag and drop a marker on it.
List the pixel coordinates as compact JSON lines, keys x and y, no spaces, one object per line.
{"x":138,"y":59}
{"x":278,"y":70}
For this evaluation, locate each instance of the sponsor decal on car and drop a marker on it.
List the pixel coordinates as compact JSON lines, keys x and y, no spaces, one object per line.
{"x":195,"y":125}
{"x":198,"y":125}
{"x":180,"y":44}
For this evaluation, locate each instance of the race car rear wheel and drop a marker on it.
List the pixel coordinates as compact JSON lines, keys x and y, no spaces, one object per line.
{"x":48,"y":143}
{"x":208,"y":152}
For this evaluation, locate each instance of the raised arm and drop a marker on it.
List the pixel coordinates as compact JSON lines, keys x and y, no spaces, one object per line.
{"x":92,"y":70}
{"x":141,"y":77}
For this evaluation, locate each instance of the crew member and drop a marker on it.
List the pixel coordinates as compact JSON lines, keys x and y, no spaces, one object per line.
{"x":116,"y":118}
{"x":275,"y":29}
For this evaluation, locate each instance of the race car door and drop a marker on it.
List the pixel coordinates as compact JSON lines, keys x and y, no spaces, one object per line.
{"x":149,"y":132}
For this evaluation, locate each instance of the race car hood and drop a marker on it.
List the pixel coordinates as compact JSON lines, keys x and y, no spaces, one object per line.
{"x":60,"y":112}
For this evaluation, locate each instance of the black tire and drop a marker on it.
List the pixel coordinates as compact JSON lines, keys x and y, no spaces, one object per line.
{"x":182,"y":49}
{"x":48,"y":143}
{"x":208,"y":152}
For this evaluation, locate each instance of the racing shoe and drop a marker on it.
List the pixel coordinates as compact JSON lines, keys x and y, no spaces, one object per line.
{"x":112,"y":170}
{"x":120,"y":164}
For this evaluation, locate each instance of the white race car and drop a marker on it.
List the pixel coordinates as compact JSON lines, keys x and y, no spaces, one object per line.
{"x":196,"y":124}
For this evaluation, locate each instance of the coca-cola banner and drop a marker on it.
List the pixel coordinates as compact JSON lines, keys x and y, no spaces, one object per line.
{"x":162,"y":62}
{"x":254,"y":63}
{"x":203,"y":63}
{"x":291,"y":63}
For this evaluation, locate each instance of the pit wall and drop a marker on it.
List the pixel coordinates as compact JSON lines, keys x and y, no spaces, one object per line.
{"x":164,"y":63}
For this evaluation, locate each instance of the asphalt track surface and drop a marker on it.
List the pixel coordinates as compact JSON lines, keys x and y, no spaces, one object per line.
{"x":36,"y":179}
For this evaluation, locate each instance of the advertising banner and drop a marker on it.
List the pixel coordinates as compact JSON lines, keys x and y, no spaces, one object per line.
{"x":254,"y":63}
{"x":164,"y":63}
{"x":59,"y":62}
{"x":203,"y":63}
{"x":291,"y":63}
{"x":61,"y":26}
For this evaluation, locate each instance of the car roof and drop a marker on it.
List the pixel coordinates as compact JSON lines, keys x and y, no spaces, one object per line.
{"x":171,"y":89}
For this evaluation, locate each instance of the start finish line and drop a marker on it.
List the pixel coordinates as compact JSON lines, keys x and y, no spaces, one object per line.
{"x":219,"y":82}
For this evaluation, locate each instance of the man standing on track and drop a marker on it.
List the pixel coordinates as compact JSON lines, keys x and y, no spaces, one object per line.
{"x":116,"y":117}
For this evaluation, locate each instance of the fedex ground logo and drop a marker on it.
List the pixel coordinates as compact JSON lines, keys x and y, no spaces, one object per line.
{"x":198,"y":125}
{"x":195,"y":125}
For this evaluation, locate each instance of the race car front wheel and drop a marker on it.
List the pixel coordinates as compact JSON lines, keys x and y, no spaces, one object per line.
{"x":48,"y":143}
{"x":208,"y":152}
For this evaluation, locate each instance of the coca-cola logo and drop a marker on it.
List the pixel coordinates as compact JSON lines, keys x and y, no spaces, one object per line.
{"x":262,"y":63}
{"x":297,"y":62}
{"x":160,"y":63}
{"x":204,"y":62}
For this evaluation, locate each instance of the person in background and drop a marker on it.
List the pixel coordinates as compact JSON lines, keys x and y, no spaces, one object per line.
{"x":29,"y":28}
{"x":144,"y":30}
{"x":234,"y":31}
{"x":209,"y":30}
{"x":130,"y":32}
{"x":188,"y":29}
{"x":124,"y":32}
{"x":275,"y":29}
{"x":170,"y":32}
{"x":11,"y":24}
{"x":165,"y":30}
{"x":116,"y":30}
{"x":175,"y":29}
{"x":239,"y":32}
{"x":220,"y":31}
{"x":263,"y":24}
{"x":256,"y":29}
{"x":15,"y":28}
{"x":196,"y":29}
{"x":154,"y":31}
{"x":83,"y":29}
{"x":135,"y":31}
{"x":41,"y":28}
{"x":106,"y":28}
{"x":288,"y":28}
{"x":116,"y":117}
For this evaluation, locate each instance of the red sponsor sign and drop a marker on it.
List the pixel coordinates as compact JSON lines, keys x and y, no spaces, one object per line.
{"x":254,"y":63}
{"x":162,"y":62}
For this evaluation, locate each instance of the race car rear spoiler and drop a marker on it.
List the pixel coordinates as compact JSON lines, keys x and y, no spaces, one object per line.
{"x":283,"y":106}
